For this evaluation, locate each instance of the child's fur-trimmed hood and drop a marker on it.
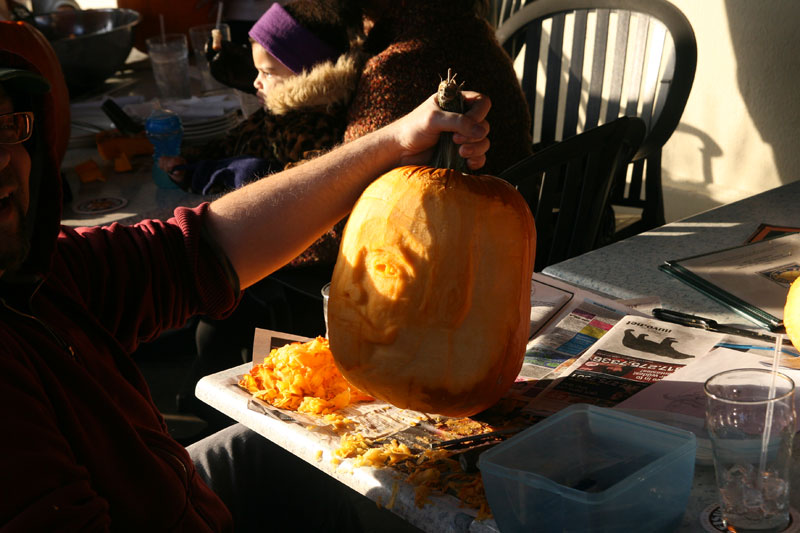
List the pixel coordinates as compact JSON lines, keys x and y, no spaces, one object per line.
{"x":325,"y":86}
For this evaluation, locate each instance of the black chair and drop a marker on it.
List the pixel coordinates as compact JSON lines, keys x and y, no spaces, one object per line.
{"x":640,"y":61}
{"x":567,"y":184}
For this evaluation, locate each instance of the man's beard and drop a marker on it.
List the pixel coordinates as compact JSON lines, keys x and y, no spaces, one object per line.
{"x":14,"y":248}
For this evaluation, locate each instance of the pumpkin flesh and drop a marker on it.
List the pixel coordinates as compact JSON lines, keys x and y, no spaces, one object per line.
{"x":791,"y":313}
{"x":430,"y":298}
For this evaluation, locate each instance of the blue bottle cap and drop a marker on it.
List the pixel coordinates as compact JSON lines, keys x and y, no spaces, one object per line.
{"x":163,"y":121}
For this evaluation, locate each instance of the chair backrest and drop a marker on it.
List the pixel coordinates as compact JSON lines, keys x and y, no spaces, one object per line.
{"x":584,"y":63}
{"x":501,"y":10}
{"x":567,"y":184}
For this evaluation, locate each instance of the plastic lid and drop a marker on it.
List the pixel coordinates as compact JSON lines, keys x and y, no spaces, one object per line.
{"x":163,"y":121}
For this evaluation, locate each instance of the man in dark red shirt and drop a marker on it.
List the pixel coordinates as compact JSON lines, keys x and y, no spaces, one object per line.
{"x":84,"y":446}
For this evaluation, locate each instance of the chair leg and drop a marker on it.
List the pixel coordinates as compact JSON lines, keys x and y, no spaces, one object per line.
{"x":653,"y":212}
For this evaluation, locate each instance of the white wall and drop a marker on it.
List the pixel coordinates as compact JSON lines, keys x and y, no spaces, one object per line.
{"x":737,"y":136}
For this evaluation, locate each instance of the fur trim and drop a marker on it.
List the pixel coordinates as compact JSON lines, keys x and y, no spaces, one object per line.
{"x":325,"y":86}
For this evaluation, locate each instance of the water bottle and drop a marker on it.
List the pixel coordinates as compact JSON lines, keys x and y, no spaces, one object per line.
{"x":165,"y":132}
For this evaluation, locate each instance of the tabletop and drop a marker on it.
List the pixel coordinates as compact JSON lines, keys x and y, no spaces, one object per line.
{"x":388,"y":487}
{"x":139,"y":196}
{"x":132,"y":196}
{"x":629,"y":268}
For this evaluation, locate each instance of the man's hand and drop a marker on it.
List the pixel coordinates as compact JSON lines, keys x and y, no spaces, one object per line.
{"x":418,"y":132}
{"x":168,"y":164}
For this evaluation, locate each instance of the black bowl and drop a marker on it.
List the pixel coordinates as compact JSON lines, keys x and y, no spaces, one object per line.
{"x":91,"y":44}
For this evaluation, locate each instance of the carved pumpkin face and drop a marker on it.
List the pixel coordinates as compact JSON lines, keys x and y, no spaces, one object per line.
{"x":430,"y":298}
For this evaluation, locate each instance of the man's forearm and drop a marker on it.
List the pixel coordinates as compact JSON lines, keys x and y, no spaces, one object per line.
{"x":264,"y":225}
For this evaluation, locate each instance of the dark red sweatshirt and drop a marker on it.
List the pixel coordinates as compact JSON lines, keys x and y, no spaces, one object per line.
{"x":82,"y":446}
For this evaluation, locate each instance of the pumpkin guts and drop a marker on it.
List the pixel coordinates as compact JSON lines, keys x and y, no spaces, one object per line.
{"x":301,"y":377}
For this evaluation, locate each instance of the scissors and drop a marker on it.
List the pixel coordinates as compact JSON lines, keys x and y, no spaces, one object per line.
{"x":685,"y":319}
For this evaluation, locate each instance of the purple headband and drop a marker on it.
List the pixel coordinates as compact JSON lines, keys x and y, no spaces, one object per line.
{"x":289,"y":42}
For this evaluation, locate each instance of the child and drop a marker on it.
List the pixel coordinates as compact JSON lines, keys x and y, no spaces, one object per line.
{"x":305,"y":78}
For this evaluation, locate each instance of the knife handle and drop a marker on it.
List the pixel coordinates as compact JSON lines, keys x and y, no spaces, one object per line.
{"x":684,"y":319}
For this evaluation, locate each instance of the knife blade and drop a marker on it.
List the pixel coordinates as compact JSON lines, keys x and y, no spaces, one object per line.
{"x":686,"y":319}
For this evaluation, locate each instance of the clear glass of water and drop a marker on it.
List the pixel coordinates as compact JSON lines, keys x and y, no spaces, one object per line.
{"x":199,"y":36}
{"x":169,"y":57}
{"x":751,"y":420}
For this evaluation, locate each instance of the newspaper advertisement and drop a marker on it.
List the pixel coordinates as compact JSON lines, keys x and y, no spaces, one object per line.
{"x":632,"y":355}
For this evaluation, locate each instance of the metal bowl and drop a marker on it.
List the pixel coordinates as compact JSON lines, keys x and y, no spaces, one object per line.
{"x":91,"y":44}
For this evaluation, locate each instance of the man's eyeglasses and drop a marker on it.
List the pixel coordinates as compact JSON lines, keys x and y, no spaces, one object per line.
{"x":16,"y":127}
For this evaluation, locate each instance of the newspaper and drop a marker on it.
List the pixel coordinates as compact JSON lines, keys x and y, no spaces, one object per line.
{"x":565,"y":321}
{"x":679,"y":400}
{"x":682,"y":391}
{"x":632,"y":355}
{"x":583,"y":347}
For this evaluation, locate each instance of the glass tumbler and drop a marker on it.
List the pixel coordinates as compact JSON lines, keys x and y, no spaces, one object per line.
{"x":750,"y":417}
{"x":199,"y":37}
{"x":169,"y":56}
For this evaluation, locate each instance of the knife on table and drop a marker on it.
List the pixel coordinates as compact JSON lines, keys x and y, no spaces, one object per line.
{"x":685,"y":319}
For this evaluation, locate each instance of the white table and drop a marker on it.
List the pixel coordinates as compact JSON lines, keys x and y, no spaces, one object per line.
{"x":144,"y":199}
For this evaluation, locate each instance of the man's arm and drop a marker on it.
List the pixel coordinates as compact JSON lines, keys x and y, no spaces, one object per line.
{"x":264,"y":225}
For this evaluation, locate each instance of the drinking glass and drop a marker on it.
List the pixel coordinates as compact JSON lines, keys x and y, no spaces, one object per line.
{"x":750,"y":418}
{"x":199,"y":36}
{"x":169,"y":55}
{"x":326,"y":290}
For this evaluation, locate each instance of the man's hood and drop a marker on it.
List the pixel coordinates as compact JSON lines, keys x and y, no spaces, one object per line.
{"x":24,"y":47}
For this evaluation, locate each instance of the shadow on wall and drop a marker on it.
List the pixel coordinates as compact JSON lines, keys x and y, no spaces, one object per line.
{"x":767,"y":48}
{"x":708,"y":149}
{"x":681,"y":202}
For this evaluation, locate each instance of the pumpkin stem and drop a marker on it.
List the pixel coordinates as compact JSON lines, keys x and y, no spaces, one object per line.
{"x":449,"y":98}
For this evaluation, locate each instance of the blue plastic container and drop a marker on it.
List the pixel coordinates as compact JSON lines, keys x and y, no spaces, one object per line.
{"x":587,"y":469}
{"x":165,"y":132}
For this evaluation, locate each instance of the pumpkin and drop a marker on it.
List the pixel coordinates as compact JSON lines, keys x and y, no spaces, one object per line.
{"x":791,"y":313}
{"x":429,"y":303}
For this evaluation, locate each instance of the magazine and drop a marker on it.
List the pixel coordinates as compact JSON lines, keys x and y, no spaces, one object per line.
{"x":752,"y":279}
